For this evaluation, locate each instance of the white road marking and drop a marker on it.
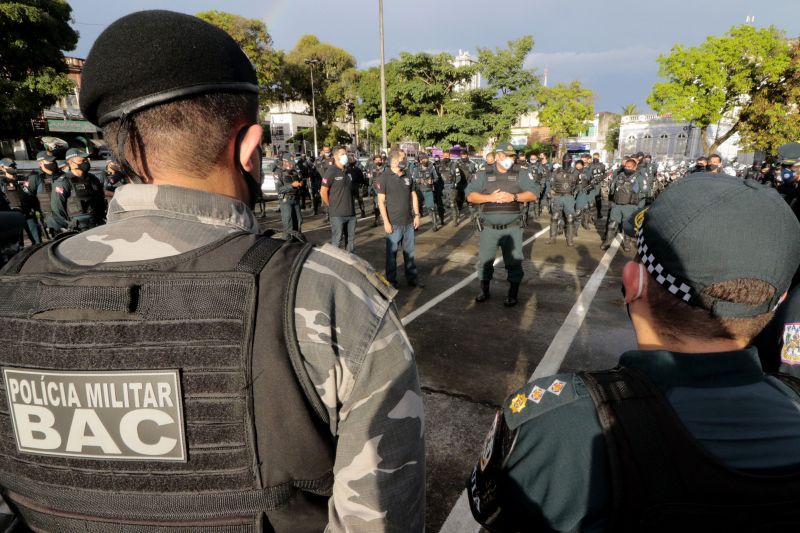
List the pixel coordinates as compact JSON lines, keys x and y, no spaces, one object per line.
{"x":416,"y":313}
{"x":460,"y":518}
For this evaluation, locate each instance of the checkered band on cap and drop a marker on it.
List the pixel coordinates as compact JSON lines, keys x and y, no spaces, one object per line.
{"x":670,"y":282}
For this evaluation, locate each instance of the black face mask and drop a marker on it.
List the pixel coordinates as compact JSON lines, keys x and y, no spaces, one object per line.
{"x":85,"y":166}
{"x":629,"y":172}
{"x":712,"y":167}
{"x":595,"y":160}
{"x":253,"y":185}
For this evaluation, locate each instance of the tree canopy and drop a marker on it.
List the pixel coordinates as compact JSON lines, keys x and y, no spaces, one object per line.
{"x":254,"y":39}
{"x":566,"y":108}
{"x":33,"y":73}
{"x":747,"y":76}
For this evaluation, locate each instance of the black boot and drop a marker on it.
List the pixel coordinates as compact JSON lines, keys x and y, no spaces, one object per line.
{"x":586,"y":219}
{"x":611,"y":233}
{"x":484,"y":294}
{"x":511,"y":297}
{"x":553,"y":231}
{"x":570,"y":230}
{"x":626,"y":243}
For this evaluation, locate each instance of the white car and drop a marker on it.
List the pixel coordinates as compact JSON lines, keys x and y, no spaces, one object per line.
{"x":268,"y":189}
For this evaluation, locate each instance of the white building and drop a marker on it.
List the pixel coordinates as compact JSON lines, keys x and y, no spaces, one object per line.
{"x":285,"y":120}
{"x":462,"y":60}
{"x":667,"y":138}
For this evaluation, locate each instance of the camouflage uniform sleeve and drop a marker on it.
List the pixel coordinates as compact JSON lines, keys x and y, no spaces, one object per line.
{"x":358,"y":356}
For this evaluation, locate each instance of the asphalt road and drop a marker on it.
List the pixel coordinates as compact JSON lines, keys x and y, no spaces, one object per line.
{"x":472,"y":356}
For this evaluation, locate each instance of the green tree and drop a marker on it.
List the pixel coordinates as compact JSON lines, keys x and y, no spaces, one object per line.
{"x":629,"y":109}
{"x":773,"y":116}
{"x":512,"y":87}
{"x":331,"y":84}
{"x":727,"y":77}
{"x":33,"y":73}
{"x":254,"y":39}
{"x":612,"y":136}
{"x":566,"y":108}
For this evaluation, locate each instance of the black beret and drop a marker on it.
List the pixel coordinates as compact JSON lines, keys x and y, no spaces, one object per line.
{"x":152,"y":57}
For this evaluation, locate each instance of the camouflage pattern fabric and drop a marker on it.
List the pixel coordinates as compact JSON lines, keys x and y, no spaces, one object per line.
{"x":355,"y":349}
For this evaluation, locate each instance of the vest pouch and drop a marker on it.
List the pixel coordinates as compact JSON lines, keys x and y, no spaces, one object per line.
{"x":494,"y":181}
{"x":127,"y":402}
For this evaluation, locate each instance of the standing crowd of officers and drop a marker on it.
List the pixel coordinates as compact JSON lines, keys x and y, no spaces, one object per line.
{"x":58,"y":198}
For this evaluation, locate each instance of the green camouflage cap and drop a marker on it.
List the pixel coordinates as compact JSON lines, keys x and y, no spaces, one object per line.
{"x":710,"y":228}
{"x":507,"y":148}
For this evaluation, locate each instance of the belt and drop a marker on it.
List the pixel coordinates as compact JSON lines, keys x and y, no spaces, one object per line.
{"x":504,"y":226}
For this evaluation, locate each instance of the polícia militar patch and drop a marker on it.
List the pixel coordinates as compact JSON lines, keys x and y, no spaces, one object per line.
{"x":128,"y":415}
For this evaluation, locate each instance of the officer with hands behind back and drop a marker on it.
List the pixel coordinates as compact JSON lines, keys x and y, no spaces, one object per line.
{"x":687,"y":430}
{"x":200,"y":376}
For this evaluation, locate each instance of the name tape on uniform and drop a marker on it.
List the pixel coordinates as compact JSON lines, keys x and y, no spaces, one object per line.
{"x":136,"y":415}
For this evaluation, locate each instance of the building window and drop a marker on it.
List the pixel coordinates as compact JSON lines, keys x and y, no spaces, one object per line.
{"x":647,"y":143}
{"x":630,"y":145}
{"x":662,"y":145}
{"x":680,"y":144}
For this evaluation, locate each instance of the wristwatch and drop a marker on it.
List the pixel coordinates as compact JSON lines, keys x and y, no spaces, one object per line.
{"x":515,"y":197}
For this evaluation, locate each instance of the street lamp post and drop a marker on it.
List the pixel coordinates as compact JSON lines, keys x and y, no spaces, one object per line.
{"x":383,"y":79}
{"x":311,"y":63}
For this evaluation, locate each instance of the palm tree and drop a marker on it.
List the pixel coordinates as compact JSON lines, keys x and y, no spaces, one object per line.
{"x":629,"y":109}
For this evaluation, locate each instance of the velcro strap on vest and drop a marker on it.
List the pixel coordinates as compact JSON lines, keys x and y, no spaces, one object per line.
{"x":181,"y":506}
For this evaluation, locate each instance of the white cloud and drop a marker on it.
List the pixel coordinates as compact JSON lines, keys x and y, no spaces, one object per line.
{"x":602,"y":61}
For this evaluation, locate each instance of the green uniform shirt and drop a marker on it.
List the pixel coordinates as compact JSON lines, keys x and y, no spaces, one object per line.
{"x":557,"y":475}
{"x":480,"y":185}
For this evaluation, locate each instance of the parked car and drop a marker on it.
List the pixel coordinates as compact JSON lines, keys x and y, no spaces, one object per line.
{"x":268,"y":189}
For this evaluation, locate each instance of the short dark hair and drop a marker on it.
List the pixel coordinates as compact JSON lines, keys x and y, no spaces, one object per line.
{"x":394,"y":155}
{"x":678,"y":320}
{"x":712,"y":156}
{"x":182,"y":135}
{"x":339,"y":148}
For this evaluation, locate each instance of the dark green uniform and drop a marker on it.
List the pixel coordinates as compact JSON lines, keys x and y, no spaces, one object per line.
{"x":76,"y":202}
{"x":291,"y":217}
{"x":502,"y":225}
{"x":548,"y":463}
{"x":561,"y":189}
{"x":628,"y":198}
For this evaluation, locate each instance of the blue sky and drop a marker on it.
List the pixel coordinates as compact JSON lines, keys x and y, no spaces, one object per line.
{"x":611,"y":47}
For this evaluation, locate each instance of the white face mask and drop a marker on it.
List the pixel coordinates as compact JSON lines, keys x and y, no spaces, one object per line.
{"x":507,"y":163}
{"x":343,"y":160}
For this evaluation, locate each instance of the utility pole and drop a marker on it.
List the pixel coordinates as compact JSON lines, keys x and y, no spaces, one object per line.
{"x":311,"y":63}
{"x":385,"y":144}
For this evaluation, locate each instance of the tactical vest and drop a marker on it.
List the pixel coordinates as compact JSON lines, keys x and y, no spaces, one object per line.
{"x":464,"y":173}
{"x":14,"y":195}
{"x":597,"y":171}
{"x":445,"y":168}
{"x":45,"y":195}
{"x":663,"y":481}
{"x":624,"y":193}
{"x":188,"y":369}
{"x":507,"y":182}
{"x":425,"y":178}
{"x":564,"y":182}
{"x":286,"y":177}
{"x":80,"y":201}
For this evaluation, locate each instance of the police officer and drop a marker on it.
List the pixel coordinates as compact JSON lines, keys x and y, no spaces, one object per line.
{"x":321,"y":165}
{"x":113,"y":179}
{"x":584,"y":197}
{"x":287,"y":185}
{"x":358,"y":182}
{"x":399,"y":205}
{"x":41,"y":183}
{"x":229,"y":358}
{"x":499,"y":193}
{"x":375,"y":169}
{"x":714,"y":164}
{"x":687,"y":432}
{"x":700,"y":165}
{"x":426,"y":181}
{"x":20,"y":197}
{"x":561,"y":189}
{"x":337,"y":195}
{"x":450,"y":179}
{"x":77,"y":199}
{"x":597,"y":170}
{"x":626,"y":188}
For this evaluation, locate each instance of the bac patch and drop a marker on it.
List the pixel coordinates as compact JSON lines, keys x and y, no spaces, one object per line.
{"x":790,"y":353}
{"x":134,"y":415}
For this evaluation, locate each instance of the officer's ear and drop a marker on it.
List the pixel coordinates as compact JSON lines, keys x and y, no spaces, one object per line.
{"x":249,"y":146}
{"x":634,"y":280}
